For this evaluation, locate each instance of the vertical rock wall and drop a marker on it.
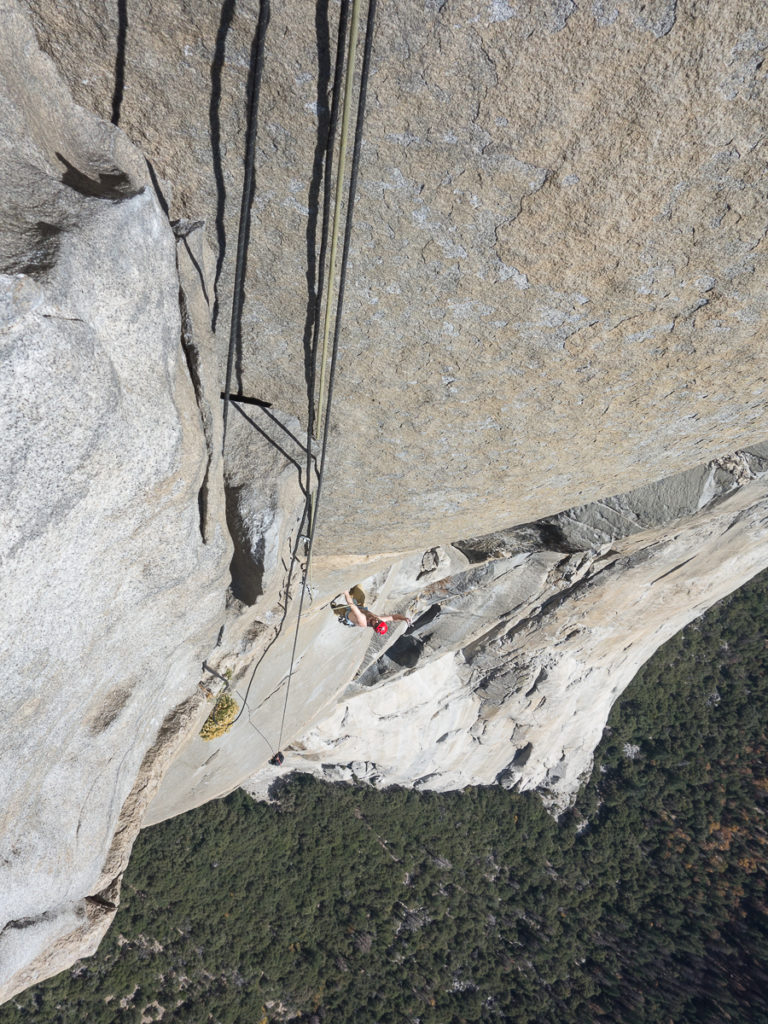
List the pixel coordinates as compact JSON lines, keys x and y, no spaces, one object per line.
{"x":111,"y":596}
{"x":558,"y":275}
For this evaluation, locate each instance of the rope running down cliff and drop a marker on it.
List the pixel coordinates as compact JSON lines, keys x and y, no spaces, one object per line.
{"x":329,"y":148}
{"x":355,"y":168}
{"x":310,"y":508}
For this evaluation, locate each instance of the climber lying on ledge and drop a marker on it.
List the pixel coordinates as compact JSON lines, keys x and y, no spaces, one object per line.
{"x":354,"y":613}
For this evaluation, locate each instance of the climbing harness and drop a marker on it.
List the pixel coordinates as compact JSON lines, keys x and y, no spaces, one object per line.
{"x":344,"y":620}
{"x":320,"y":414}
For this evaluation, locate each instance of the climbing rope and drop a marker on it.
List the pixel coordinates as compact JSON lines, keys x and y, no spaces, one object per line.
{"x":354,"y":173}
{"x":342,"y":32}
{"x":355,"y":167}
{"x":321,"y":415}
{"x":329,"y":147}
{"x":291,"y":567}
{"x":339,"y":192}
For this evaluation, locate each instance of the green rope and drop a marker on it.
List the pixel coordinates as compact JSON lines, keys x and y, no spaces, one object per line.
{"x":348,"y":84}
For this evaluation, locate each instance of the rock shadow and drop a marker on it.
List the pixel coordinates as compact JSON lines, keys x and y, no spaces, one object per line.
{"x":42,"y":251}
{"x":122,"y":36}
{"x":275,"y":425}
{"x":247,"y":566}
{"x":214,"y":121}
{"x":405,"y":651}
{"x":255,"y":73}
{"x":107,"y":186}
{"x":321,"y":175}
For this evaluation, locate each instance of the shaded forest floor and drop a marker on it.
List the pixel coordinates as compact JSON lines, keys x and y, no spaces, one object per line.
{"x":644,"y":904}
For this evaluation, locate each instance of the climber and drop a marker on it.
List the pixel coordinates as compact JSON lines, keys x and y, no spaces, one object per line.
{"x":278,"y":759}
{"x":354,"y":613}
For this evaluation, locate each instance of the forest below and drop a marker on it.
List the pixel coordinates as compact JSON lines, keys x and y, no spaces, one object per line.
{"x":644,"y":904}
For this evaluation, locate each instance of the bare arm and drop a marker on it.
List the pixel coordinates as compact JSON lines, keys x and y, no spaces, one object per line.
{"x":354,"y":612}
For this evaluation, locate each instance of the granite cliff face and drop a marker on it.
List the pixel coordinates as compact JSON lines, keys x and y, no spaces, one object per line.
{"x":556,"y":294}
{"x":509,"y":674}
{"x":558,"y":280}
{"x":111,"y":596}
